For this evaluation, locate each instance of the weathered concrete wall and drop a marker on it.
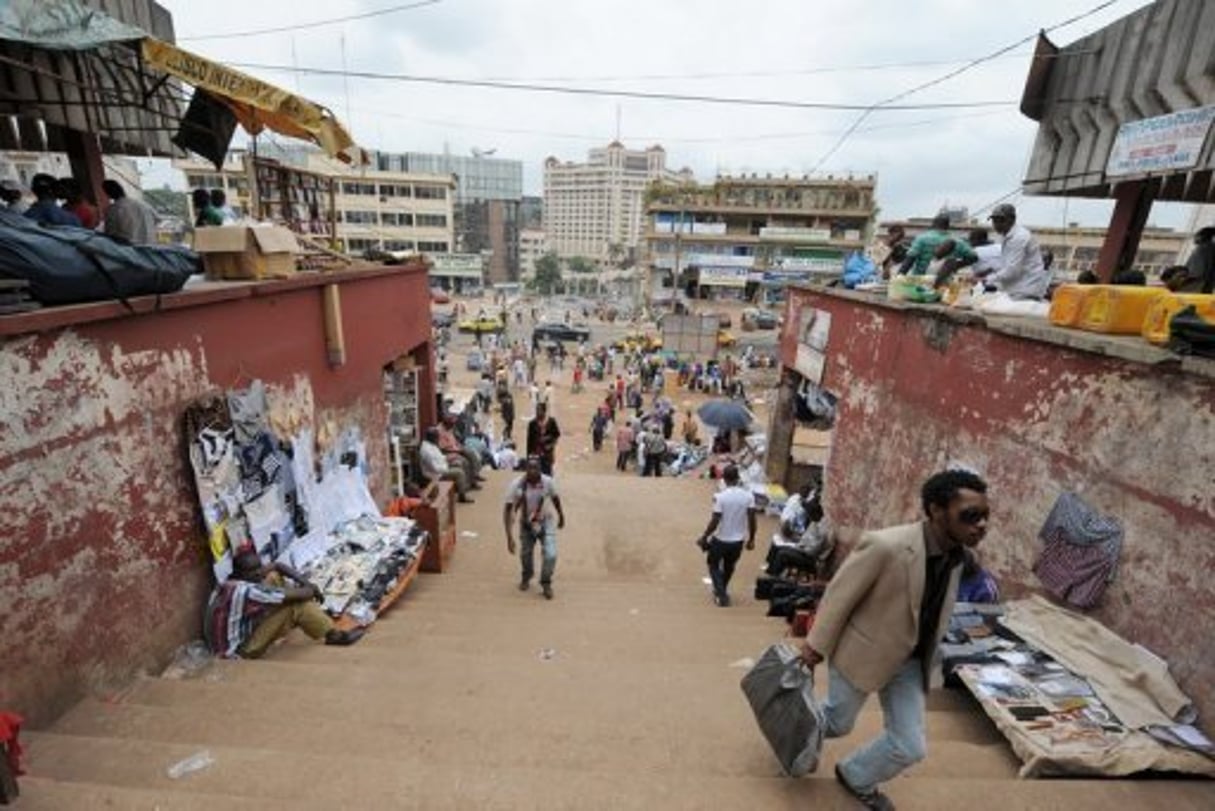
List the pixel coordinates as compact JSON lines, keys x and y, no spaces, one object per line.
{"x":102,"y":565}
{"x":920,"y":389}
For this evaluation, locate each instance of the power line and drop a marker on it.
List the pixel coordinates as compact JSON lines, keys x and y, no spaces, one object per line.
{"x":884,"y":104}
{"x":317,"y":24}
{"x":740,"y":74}
{"x":630,"y":94}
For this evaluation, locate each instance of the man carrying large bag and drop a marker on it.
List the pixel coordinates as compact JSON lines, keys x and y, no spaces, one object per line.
{"x":880,"y":622}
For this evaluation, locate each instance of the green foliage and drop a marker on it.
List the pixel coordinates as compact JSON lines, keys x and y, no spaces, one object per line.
{"x":580,"y":264}
{"x":168,"y":203}
{"x":548,"y":274}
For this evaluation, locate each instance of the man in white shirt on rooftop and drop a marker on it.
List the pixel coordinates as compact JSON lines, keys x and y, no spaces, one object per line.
{"x":1022,"y":273}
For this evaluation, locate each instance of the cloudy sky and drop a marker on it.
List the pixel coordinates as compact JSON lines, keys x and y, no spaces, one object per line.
{"x":858,"y":52}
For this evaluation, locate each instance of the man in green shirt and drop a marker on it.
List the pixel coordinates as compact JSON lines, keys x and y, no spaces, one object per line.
{"x":925,"y":245}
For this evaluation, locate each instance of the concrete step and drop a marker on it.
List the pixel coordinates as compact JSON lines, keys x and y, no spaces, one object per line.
{"x":42,"y":794}
{"x":337,"y":780}
{"x":639,"y":737}
{"x":715,"y":679}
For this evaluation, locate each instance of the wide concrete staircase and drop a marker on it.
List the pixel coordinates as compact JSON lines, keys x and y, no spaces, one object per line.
{"x":622,"y":693}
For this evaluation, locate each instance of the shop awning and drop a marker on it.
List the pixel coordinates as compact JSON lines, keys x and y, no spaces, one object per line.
{"x":257,"y":105}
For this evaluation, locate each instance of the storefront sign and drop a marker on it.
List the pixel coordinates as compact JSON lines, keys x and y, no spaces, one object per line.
{"x":1161,"y":144}
{"x":833,"y":263}
{"x":457,"y":265}
{"x":724,"y":277}
{"x":720,"y":260}
{"x":814,"y":328}
{"x":790,"y":232}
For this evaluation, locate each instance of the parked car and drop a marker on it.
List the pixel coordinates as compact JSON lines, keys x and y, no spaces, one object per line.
{"x":765,"y":319}
{"x":723,"y":320}
{"x":439,"y":296}
{"x":725,"y":339}
{"x":482,"y":325}
{"x":476,"y":361}
{"x":638,"y":340}
{"x":560,"y":332}
{"x":441,"y":319}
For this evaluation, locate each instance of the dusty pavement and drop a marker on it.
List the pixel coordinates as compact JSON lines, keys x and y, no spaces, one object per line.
{"x":621,"y":693}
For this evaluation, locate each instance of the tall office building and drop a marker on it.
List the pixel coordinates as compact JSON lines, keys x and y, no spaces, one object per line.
{"x":486,"y":205}
{"x":597,"y":209}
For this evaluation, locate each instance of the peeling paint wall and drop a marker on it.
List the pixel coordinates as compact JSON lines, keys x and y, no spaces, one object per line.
{"x":102,"y":565}
{"x":1136,"y":441}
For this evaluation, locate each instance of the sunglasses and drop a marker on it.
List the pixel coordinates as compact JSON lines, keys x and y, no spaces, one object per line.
{"x":973,"y":515}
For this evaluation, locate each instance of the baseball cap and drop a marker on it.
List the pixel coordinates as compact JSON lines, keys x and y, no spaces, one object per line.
{"x":1004,"y":211}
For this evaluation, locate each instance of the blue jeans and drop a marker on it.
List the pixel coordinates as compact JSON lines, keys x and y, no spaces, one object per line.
{"x":547,"y":537}
{"x":901,"y":744}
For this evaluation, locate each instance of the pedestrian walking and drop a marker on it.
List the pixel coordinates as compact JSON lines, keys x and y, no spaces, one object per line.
{"x":534,"y":496}
{"x":506,"y":403}
{"x":655,"y":448}
{"x":874,"y":644}
{"x":542,"y":435}
{"x":732,"y":524}
{"x":624,"y":446}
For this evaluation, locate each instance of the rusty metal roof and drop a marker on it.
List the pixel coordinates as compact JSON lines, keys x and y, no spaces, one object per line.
{"x":106,"y":90}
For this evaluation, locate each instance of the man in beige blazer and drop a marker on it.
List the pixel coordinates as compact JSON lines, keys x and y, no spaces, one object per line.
{"x":880,"y":622}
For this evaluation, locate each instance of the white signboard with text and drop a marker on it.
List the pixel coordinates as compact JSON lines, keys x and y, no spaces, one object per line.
{"x":1162,"y":144}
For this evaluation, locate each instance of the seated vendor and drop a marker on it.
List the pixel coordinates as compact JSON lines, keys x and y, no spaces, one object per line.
{"x":949,"y":257}
{"x":455,"y":451}
{"x":976,"y":584}
{"x":436,"y":467}
{"x":813,"y":546}
{"x":255,"y":607}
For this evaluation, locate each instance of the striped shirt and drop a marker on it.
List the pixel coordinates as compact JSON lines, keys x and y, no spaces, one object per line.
{"x":233,"y":612}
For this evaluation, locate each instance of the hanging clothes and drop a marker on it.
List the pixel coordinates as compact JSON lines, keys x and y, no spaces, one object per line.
{"x":1080,"y":553}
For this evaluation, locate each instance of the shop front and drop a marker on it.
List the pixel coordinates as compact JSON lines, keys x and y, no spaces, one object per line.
{"x":723,"y":282}
{"x":462,"y":273}
{"x":109,"y":571}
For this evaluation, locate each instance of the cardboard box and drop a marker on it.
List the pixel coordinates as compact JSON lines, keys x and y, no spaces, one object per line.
{"x":245,"y":252}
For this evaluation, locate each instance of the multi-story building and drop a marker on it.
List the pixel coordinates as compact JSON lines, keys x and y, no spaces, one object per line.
{"x":533,"y":244}
{"x":1075,"y":248}
{"x":531,"y":213}
{"x":596,"y":209}
{"x":744,"y":235}
{"x":376,"y":210}
{"x":486,"y":206}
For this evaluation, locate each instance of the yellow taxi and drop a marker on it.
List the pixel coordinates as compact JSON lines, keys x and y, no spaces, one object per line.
{"x":481,"y":325}
{"x":638,"y":340}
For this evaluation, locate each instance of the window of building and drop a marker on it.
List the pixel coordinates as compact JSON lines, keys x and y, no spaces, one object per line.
{"x":432,"y":247}
{"x":398,"y":245}
{"x":359,"y":217}
{"x":432,"y":220}
{"x":361,"y":245}
{"x":430,"y":192}
{"x":358,"y":188}
{"x":396,"y":219}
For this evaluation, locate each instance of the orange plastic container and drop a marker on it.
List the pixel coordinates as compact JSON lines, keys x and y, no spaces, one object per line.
{"x":1119,"y":309}
{"x":1156,"y":325}
{"x":1067,"y":303}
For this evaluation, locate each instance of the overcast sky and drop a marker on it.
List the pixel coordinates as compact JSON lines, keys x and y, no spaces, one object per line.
{"x":804,"y":50}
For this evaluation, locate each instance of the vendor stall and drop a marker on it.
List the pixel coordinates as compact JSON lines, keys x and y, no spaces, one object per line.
{"x":1071,"y":697}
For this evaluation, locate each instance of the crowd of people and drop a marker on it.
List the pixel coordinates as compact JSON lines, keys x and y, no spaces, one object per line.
{"x":61,"y":201}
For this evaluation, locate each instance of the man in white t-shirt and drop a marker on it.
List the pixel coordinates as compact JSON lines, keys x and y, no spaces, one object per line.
{"x":733,"y":522}
{"x":535,"y":497}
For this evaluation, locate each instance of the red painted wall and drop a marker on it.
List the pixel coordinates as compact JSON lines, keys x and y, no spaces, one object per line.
{"x":102,"y":568}
{"x":919,"y":390}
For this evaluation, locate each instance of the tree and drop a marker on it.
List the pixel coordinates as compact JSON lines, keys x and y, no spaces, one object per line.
{"x":580,"y":264}
{"x":167,"y":203}
{"x":548,"y":274}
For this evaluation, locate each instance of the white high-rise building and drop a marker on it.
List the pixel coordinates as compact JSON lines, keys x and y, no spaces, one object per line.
{"x":597,"y":209}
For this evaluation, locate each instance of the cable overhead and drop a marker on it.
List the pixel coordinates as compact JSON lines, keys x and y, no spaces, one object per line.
{"x":886,"y":103}
{"x":317,"y":24}
{"x":630,"y":94}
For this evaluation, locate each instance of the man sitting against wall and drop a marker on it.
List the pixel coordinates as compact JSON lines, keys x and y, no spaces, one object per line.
{"x":435,"y":466}
{"x":255,"y":607}
{"x":458,"y":455}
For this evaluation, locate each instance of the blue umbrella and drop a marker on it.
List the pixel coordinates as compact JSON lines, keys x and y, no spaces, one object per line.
{"x":728,"y":415}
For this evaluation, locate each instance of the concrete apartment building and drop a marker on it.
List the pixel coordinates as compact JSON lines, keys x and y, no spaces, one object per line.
{"x":485,"y":213}
{"x":596,"y":209}
{"x":1075,"y":247}
{"x":376,"y":210}
{"x":740,"y":236}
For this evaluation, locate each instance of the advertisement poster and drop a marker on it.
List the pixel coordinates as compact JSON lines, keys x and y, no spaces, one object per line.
{"x":814,"y":329}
